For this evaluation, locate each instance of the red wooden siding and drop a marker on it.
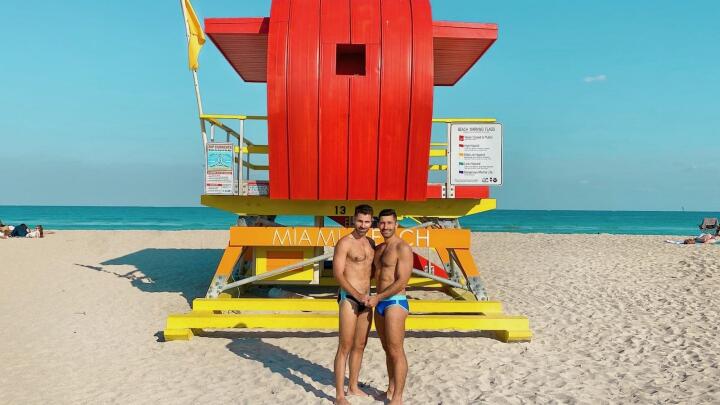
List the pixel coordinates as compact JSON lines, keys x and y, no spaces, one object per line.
{"x":242,"y":39}
{"x":334,"y":102}
{"x":421,"y":101}
{"x":364,"y":103}
{"x":358,"y":132}
{"x":277,"y":99}
{"x":395,"y":84}
{"x":456,"y":46}
{"x":302,"y":98}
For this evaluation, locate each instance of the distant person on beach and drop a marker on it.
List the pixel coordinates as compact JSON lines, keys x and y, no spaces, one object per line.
{"x":393,"y":267}
{"x":38,"y":232}
{"x":703,"y":238}
{"x":4,"y":230}
{"x":21,"y":231}
{"x":352,"y":268}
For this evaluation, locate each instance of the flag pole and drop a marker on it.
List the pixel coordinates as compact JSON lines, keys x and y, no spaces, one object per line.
{"x":195,"y":79}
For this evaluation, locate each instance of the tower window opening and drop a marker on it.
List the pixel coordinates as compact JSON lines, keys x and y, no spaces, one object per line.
{"x":350,"y":59}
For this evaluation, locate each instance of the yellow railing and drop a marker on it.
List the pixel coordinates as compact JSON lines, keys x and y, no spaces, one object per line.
{"x":248,"y":148}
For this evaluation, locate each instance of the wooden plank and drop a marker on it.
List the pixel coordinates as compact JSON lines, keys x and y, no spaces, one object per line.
{"x":364,"y":103}
{"x":260,"y":205}
{"x":310,"y":236}
{"x":303,"y":98}
{"x":466,"y":262}
{"x":277,"y":99}
{"x":421,"y":102}
{"x":395,"y":87}
{"x":334,"y":102}
{"x":331,"y":305}
{"x":228,"y":261}
{"x":472,"y":192}
{"x":457,"y":47}
{"x":205,"y":320}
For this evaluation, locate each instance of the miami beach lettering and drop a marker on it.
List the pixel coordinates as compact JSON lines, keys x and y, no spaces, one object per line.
{"x":329,"y":237}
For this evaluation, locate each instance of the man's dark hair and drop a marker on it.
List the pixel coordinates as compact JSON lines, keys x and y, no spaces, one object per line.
{"x":388,"y":212}
{"x":363,"y":209}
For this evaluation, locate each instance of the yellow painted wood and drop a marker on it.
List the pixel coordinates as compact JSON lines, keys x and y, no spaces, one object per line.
{"x":228,"y":260}
{"x":177,"y":334}
{"x":514,"y":335}
{"x":413,"y":282}
{"x":330,"y":305}
{"x":460,"y":294}
{"x":258,"y":149}
{"x":467,"y":263}
{"x":254,"y":166}
{"x":261,"y":205}
{"x":491,"y":322}
{"x":312,"y":236}
{"x":271,"y":258}
{"x":443,"y":254}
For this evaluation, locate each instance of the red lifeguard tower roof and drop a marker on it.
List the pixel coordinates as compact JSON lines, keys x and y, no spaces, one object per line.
{"x":457,"y":46}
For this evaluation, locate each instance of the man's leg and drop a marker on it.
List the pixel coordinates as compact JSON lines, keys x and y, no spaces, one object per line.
{"x":380,"y":326}
{"x":395,"y":340}
{"x":362,"y":330}
{"x":347,"y":320}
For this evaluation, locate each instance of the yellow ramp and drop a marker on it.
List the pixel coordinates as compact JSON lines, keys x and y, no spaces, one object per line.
{"x":330,"y":305}
{"x":179,"y":327}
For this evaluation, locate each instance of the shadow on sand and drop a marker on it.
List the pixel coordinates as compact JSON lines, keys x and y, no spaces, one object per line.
{"x":184,"y":271}
{"x":249,"y":345}
{"x":289,"y":365}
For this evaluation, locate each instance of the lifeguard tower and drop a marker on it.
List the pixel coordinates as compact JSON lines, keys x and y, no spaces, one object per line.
{"x":349,"y":121}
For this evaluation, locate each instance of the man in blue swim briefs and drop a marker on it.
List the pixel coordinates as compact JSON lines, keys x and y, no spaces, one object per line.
{"x":393,"y":267}
{"x":352,"y":268}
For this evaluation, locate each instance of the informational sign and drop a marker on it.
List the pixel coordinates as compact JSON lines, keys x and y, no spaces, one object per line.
{"x":219,"y":169}
{"x":257,"y":187}
{"x":475,"y":154}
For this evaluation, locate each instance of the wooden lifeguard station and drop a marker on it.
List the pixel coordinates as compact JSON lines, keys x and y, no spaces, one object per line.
{"x":349,"y":119}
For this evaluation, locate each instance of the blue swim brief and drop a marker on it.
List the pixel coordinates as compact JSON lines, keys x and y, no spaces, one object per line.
{"x":397,"y":299}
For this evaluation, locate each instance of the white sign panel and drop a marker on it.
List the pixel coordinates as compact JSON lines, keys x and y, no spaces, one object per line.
{"x":475,"y":154}
{"x":219,"y":173}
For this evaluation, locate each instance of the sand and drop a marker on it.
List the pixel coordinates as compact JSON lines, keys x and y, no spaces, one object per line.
{"x":617,"y":319}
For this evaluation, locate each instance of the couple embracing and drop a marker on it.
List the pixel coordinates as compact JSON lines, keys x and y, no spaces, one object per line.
{"x":356,"y":261}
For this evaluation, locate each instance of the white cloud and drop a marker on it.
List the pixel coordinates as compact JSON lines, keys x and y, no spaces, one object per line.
{"x":598,"y":78}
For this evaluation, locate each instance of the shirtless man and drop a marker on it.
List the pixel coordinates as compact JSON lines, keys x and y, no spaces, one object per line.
{"x":393,"y":267}
{"x":352,"y":268}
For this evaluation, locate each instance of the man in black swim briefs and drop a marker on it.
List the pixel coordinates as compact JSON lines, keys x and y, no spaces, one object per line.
{"x":352,"y":268}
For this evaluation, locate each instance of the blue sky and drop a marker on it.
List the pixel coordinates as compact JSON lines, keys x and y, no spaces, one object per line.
{"x":605,"y":105}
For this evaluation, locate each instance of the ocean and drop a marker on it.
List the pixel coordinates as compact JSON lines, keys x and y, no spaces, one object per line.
{"x":522,"y":221}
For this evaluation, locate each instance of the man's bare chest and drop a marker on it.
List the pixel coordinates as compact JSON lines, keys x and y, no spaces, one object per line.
{"x":360,"y":255}
{"x":386,"y":258}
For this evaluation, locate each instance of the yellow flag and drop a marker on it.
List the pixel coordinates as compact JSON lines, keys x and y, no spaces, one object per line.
{"x":196,"y":37}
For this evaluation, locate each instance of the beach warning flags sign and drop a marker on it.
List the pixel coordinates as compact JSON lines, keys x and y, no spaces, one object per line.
{"x":196,"y":36}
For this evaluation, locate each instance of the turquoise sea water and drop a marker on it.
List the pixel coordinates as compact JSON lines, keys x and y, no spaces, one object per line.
{"x":177,"y":218}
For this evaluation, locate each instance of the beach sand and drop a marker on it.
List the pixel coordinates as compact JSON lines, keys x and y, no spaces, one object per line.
{"x":617,"y":319}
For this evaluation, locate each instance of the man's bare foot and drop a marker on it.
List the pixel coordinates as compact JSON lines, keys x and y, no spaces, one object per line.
{"x":396,"y":402}
{"x":357,"y":392}
{"x":341,"y":401}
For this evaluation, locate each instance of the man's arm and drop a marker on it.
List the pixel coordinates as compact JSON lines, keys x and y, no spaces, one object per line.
{"x":403,"y":271}
{"x":339,"y":256}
